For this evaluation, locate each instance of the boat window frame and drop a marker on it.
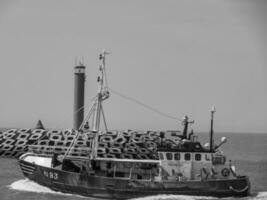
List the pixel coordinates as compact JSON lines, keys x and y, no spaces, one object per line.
{"x":187,"y":159}
{"x":200,"y":157}
{"x":169,"y":154}
{"x":161,"y":156}
{"x":176,"y":154}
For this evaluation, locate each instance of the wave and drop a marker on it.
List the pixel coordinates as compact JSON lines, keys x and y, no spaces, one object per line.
{"x":261,"y":196}
{"x":258,"y":196}
{"x":30,"y":186}
{"x":175,"y":197}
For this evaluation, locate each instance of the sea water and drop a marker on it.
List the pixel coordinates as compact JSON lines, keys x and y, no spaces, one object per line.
{"x":248,"y":152}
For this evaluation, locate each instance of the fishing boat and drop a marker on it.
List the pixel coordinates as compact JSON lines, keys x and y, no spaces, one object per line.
{"x":131,"y":164}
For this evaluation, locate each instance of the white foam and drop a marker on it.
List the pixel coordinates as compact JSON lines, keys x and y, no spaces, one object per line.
{"x":261,"y":196}
{"x":30,"y":186}
{"x":175,"y":197}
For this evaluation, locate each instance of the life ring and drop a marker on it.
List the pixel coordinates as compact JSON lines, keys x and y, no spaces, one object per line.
{"x":35,"y":136}
{"x":120,"y":140}
{"x":114,"y":150}
{"x":20,"y":143}
{"x":225,"y":172}
{"x":23,"y":136}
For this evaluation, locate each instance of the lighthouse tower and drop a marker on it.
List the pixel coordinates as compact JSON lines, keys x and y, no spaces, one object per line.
{"x":79,"y":80}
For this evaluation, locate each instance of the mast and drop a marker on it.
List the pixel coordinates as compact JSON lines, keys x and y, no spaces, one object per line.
{"x":97,"y":108}
{"x":213,"y":110}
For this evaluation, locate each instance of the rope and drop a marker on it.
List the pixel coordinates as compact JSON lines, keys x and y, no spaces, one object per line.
{"x":144,"y":105}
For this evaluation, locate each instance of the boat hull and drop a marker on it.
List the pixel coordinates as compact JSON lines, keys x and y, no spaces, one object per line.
{"x":119,"y":188}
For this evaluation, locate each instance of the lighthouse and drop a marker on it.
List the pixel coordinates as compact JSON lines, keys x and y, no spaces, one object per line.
{"x":79,"y":80}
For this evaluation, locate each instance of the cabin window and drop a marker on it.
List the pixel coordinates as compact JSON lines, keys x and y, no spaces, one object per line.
{"x":187,"y":156}
{"x":177,"y":156}
{"x":218,"y":160}
{"x":161,"y":157}
{"x":169,"y":156}
{"x":197,"y":157}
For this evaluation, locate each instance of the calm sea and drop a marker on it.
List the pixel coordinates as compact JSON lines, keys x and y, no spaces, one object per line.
{"x":248,"y":153}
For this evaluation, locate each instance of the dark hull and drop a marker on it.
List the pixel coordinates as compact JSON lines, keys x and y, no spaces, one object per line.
{"x":115,"y":188}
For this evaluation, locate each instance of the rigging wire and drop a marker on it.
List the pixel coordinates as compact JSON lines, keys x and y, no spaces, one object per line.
{"x":76,"y":111}
{"x":67,"y":119}
{"x":144,"y":105}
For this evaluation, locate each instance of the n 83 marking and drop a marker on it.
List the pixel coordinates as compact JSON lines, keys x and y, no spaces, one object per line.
{"x":51,"y":175}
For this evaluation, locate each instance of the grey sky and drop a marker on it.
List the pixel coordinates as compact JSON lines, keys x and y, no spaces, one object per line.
{"x":180,"y":57}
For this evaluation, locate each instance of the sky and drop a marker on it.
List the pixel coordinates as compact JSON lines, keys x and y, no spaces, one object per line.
{"x":179,"y":56}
